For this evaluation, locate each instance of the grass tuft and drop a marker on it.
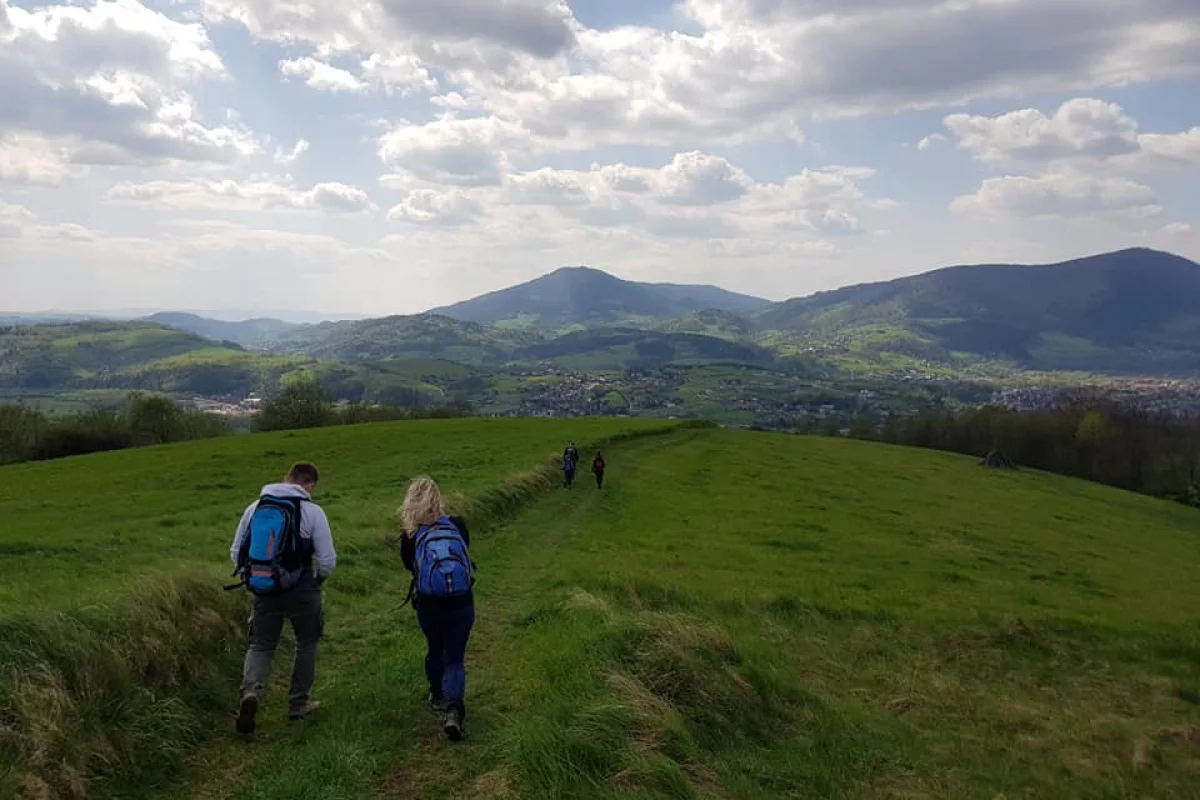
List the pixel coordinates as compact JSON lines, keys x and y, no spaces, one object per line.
{"x":96,"y":695}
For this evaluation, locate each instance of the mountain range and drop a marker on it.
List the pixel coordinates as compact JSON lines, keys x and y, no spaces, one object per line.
{"x":1131,"y":312}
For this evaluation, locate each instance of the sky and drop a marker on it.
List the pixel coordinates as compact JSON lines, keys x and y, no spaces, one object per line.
{"x":388,"y":156}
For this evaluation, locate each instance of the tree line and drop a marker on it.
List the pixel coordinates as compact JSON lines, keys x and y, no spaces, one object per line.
{"x":1121,"y":443}
{"x":27,"y":434}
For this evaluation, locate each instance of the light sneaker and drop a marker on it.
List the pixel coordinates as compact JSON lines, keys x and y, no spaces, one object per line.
{"x":454,"y":725}
{"x":309,"y":708}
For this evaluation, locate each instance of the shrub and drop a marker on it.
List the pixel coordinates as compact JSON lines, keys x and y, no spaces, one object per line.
{"x":302,"y":404}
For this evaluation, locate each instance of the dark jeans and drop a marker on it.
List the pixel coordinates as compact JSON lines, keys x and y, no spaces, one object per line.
{"x":600,"y":479}
{"x":303,"y":608}
{"x":568,"y":478}
{"x":446,"y":632}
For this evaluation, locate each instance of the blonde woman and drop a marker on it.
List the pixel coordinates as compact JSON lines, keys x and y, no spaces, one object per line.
{"x":434,"y":548}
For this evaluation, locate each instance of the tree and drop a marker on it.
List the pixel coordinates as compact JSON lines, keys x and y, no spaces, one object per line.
{"x":301,"y":404}
{"x":21,"y":428}
{"x":154,"y":419}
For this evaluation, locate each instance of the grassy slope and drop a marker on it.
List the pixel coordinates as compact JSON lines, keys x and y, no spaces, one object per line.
{"x":745,"y":615}
{"x":118,"y":651}
{"x":858,"y":603}
{"x":89,"y":527}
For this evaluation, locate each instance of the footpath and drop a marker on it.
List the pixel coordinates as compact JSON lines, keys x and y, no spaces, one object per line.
{"x":374,"y":736}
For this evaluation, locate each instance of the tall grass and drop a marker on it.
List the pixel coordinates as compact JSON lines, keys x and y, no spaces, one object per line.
{"x":102,"y":695}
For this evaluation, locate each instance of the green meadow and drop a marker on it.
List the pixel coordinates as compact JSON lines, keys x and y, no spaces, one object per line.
{"x":736,"y":615}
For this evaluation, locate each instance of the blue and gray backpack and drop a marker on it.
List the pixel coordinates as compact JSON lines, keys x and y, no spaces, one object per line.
{"x":442,"y":567}
{"x":273,"y":555}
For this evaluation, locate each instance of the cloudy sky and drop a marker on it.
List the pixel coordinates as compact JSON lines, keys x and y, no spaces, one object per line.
{"x":386,"y":156}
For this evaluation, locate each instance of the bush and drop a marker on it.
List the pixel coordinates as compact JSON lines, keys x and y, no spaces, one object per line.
{"x":21,"y":428}
{"x":29,"y":435}
{"x":86,"y":432}
{"x":302,"y":404}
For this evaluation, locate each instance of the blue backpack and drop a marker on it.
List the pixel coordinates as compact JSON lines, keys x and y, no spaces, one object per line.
{"x":442,"y":567}
{"x":273,"y":556}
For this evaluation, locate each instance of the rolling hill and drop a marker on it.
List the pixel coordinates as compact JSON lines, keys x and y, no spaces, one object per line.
{"x":246,"y":332}
{"x":1134,"y":311}
{"x":420,"y":336}
{"x":589,"y":297}
{"x":737,"y":615}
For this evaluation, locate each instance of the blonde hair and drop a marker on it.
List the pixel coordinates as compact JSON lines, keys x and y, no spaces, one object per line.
{"x":422,"y":504}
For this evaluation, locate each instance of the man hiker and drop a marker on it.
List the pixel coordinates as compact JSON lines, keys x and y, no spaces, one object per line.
{"x":570,"y":463}
{"x":283,"y":551}
{"x":598,"y":468}
{"x":568,"y":473}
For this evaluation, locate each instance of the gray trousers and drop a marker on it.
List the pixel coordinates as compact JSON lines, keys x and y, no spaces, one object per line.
{"x":303,"y":608}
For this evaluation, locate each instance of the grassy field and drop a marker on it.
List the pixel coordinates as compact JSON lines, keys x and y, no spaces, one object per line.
{"x":737,"y":615}
{"x":117,"y":647}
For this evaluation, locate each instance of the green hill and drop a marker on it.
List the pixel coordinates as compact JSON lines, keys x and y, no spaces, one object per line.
{"x":1133,"y":311}
{"x":589,"y":297}
{"x":737,"y":615}
{"x":244,"y":332}
{"x":47,"y":361}
{"x":59,"y":355}
{"x":425,"y":336}
{"x":616,"y":348}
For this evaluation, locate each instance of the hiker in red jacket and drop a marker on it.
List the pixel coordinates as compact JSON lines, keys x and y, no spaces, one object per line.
{"x":598,"y":469}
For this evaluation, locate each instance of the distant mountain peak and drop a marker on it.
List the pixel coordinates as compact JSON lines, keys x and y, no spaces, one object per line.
{"x":585,"y":295}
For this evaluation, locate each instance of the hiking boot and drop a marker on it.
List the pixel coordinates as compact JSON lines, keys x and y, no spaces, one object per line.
{"x":247,"y":713}
{"x":454,"y":725}
{"x":304,"y":713}
{"x":437,"y":704}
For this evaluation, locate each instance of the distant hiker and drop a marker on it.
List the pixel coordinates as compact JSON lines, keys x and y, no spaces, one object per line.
{"x":571,"y":454}
{"x":435,"y":549}
{"x":568,"y":473}
{"x":598,"y":468}
{"x":283,"y":552}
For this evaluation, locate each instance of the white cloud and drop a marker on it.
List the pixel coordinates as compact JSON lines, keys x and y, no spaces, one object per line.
{"x":286,"y":157}
{"x":1080,"y":129}
{"x":14,"y":220}
{"x":32,"y":161}
{"x":695,"y":195}
{"x":401,"y":72}
{"x":1177,"y":228}
{"x":929,"y":141}
{"x":461,"y":152}
{"x":698,"y":179}
{"x":425,"y":206}
{"x":1059,"y":195}
{"x":542,"y":28}
{"x":1168,"y":151}
{"x":1083,"y":127}
{"x":230,"y":195}
{"x":108,"y":78}
{"x":321,"y":76}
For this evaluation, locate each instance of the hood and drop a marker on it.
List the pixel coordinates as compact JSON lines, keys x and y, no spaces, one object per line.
{"x":286,"y":490}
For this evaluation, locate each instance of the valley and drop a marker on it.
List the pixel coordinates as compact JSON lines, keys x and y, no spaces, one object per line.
{"x":581,"y":342}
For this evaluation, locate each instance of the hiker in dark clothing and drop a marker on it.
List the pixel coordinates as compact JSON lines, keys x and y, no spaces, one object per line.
{"x":568,"y":473}
{"x":434,"y":548}
{"x":571,"y":454}
{"x":598,"y":466}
